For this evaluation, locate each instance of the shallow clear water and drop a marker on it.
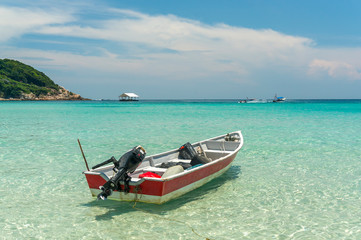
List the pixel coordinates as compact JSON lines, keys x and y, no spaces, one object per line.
{"x":298,"y":175}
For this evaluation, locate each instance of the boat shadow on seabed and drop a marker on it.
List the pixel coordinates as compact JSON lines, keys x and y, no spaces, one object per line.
{"x":116,"y":208}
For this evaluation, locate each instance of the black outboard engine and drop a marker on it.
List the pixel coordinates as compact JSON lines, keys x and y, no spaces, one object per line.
{"x":126,"y":164}
{"x":187,"y":151}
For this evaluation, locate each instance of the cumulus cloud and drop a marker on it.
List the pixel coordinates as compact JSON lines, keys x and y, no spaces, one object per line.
{"x":179,"y":34}
{"x":168,"y":45}
{"x":335,"y":69}
{"x":15,"y":22}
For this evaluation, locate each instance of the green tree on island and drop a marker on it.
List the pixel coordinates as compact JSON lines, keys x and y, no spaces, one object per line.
{"x":21,"y":81}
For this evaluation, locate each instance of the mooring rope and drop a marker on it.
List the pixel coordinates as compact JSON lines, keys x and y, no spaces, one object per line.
{"x":170,"y":219}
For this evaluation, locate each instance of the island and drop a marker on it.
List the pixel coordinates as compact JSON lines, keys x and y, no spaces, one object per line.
{"x":19,"y":81}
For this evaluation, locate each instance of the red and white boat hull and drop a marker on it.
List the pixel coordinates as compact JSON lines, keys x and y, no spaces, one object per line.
{"x":160,"y":190}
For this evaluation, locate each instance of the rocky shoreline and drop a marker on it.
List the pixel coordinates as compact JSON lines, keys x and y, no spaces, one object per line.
{"x":61,"y":95}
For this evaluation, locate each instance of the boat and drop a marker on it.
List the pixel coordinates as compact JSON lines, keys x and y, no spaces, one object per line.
{"x":249,"y":100}
{"x":165,"y":176}
{"x":252,"y":100}
{"x":279,"y":99}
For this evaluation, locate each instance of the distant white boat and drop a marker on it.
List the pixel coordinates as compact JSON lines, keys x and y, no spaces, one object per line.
{"x":279,"y":99}
{"x":252,"y":100}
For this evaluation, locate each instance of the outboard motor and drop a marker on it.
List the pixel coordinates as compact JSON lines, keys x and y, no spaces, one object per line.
{"x":187,"y":151}
{"x":126,"y":164}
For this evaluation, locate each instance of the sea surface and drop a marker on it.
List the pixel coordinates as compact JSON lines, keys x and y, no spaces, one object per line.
{"x":298,"y":175}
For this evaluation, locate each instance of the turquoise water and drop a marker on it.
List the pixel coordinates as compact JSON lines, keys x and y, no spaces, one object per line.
{"x":298,"y":175}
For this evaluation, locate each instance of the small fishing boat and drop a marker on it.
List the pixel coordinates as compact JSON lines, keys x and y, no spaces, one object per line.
{"x":165,"y":176}
{"x":279,"y":99}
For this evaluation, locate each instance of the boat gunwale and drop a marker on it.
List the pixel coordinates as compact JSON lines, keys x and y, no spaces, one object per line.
{"x":186,"y":172}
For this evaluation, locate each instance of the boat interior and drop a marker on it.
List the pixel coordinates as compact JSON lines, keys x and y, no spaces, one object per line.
{"x":166,"y":164}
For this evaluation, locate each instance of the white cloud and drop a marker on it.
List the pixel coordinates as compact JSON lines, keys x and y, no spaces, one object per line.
{"x":335,"y":69}
{"x":179,"y":34}
{"x":171,"y":46}
{"x":15,"y":22}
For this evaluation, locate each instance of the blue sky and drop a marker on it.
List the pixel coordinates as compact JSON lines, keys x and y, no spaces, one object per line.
{"x":165,"y":49}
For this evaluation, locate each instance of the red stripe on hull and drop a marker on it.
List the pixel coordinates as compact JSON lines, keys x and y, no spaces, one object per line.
{"x":95,"y":181}
{"x":195,"y":176}
{"x":161,"y":188}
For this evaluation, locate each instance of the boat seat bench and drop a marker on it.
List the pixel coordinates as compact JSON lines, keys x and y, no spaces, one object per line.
{"x":180,"y":160}
{"x":214,"y":149}
{"x":221,"y":145}
{"x":154,"y":169}
{"x":217,"y":151}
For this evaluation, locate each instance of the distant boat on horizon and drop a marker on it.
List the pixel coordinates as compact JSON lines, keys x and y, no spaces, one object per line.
{"x":279,"y":99}
{"x":252,"y":100}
